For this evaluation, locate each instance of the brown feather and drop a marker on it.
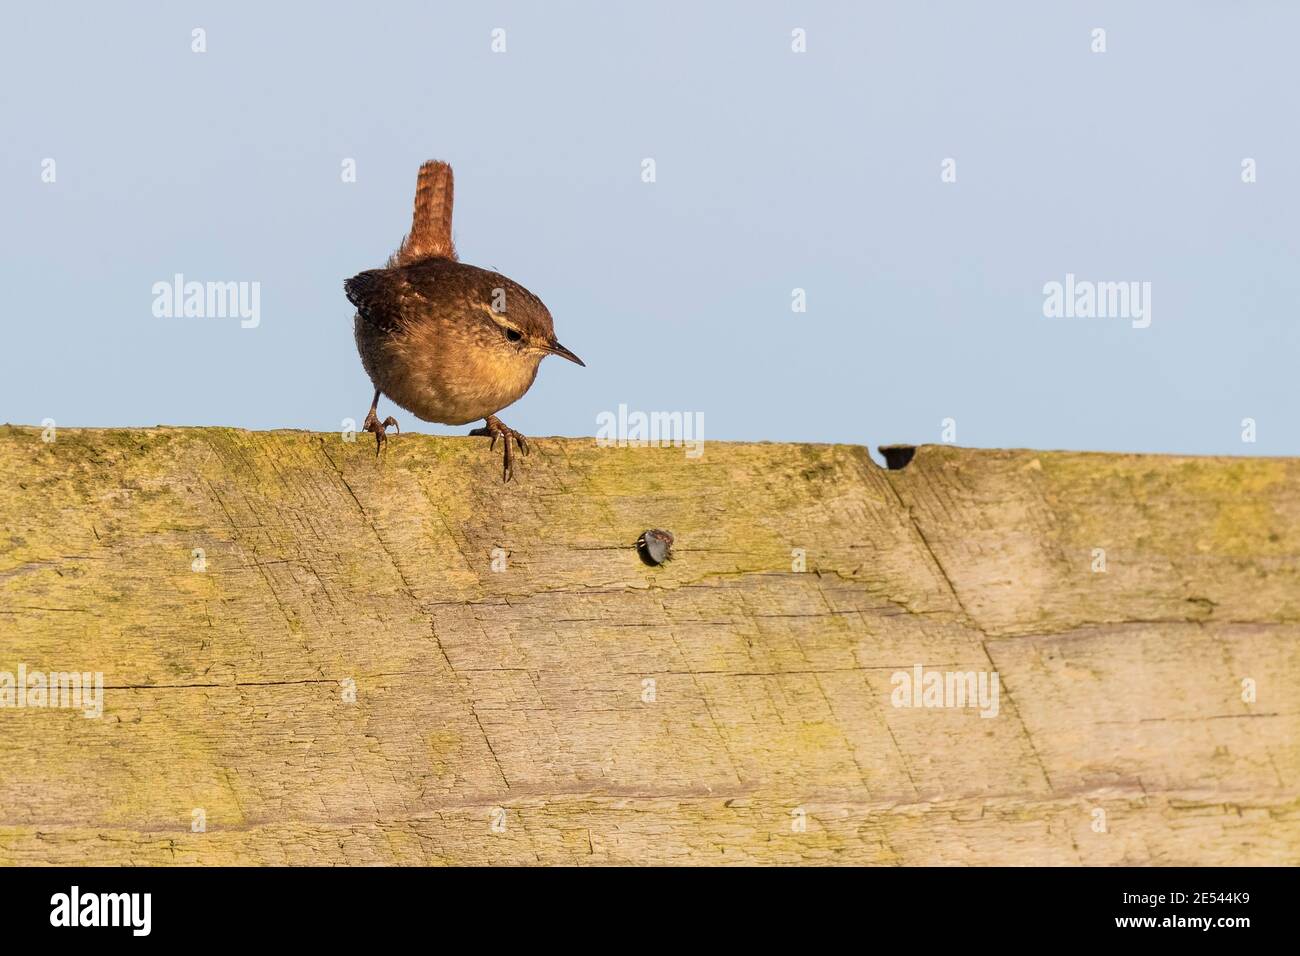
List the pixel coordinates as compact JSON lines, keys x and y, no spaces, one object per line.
{"x":430,"y":235}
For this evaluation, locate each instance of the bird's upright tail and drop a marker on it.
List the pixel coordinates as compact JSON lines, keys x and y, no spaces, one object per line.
{"x":430,"y":235}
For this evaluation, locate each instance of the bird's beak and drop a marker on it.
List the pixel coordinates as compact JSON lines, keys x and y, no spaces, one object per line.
{"x":555,"y":348}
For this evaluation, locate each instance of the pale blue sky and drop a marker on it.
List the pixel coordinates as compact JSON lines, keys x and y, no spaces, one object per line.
{"x":775,"y":170}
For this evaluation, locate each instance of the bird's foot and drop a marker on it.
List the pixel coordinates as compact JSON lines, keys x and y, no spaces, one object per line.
{"x":373,"y":424}
{"x":496,"y":429}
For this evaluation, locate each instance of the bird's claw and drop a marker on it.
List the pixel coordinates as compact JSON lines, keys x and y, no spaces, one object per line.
{"x":496,"y":429}
{"x":373,"y":424}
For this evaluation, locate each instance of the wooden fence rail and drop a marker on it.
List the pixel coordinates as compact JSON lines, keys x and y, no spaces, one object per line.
{"x":312,"y":656}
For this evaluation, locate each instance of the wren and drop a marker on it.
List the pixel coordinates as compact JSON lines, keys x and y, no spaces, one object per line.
{"x":449,"y":342}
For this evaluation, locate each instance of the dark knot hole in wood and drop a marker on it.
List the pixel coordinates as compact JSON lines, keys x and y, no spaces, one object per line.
{"x":897,"y":456}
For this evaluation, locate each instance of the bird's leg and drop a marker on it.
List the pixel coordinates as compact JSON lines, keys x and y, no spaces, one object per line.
{"x":496,"y":429}
{"x":373,"y":424}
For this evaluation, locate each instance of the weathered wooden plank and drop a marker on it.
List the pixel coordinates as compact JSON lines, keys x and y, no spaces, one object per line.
{"x":1185,"y":539}
{"x":573,"y":705}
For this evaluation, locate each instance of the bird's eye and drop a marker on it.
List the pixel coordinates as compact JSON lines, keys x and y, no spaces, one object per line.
{"x":513,"y":336}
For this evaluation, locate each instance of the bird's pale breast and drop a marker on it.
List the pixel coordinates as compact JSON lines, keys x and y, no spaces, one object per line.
{"x":439,"y":373}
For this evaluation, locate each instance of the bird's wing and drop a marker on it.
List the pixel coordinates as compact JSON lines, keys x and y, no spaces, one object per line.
{"x":430,"y":235}
{"x":379,"y":295}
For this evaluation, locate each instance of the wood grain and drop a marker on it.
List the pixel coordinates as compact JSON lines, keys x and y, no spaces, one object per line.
{"x":506,"y":716}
